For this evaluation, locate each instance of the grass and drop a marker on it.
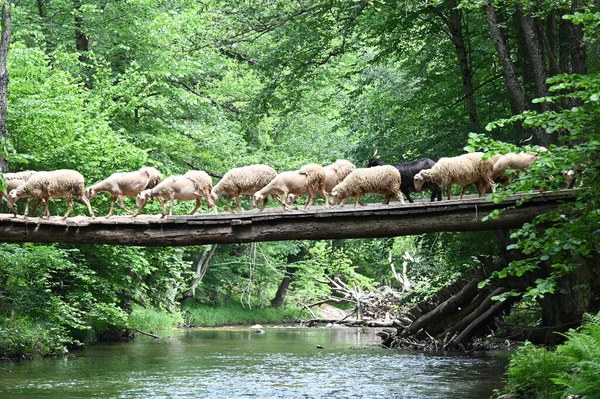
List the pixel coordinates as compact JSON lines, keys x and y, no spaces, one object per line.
{"x":151,"y":320}
{"x":209,"y":316}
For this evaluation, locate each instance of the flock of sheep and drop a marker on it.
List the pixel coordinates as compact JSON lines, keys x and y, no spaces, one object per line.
{"x":342,"y":179}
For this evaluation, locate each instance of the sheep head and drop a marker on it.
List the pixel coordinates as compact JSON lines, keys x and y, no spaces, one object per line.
{"x":11,"y":198}
{"x":213,"y":197}
{"x":256,"y":198}
{"x":90,"y":192}
{"x":335,"y":193}
{"x":142,"y":198}
{"x":419,"y":180}
{"x":211,"y":202}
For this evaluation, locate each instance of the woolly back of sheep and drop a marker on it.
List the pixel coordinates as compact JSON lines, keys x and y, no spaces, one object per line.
{"x":245,"y":179}
{"x":462,"y":169}
{"x":520,"y":161}
{"x":56,"y":183}
{"x":200,"y":178}
{"x":24,"y":175}
{"x":343,"y":168}
{"x":376,"y":180}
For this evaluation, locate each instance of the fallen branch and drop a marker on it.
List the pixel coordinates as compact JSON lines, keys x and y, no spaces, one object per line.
{"x":310,"y":312}
{"x":146,"y":333}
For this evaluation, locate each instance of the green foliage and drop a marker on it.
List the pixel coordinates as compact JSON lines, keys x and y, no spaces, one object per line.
{"x":530,"y":371}
{"x":20,"y":337}
{"x":570,"y":370}
{"x":151,"y":320}
{"x":182,"y":84}
{"x":581,"y":352}
{"x":207,"y":316}
{"x":572,"y":231}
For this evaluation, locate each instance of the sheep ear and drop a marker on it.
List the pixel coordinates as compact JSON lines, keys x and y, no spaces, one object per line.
{"x":374,"y":153}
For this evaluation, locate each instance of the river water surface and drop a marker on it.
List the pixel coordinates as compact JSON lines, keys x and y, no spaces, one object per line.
{"x":239,"y":363}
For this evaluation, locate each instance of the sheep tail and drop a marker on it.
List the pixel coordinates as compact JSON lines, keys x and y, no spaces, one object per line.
{"x":315,"y":176}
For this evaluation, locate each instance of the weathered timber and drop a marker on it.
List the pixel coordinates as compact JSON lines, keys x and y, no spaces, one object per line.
{"x":276,"y":225}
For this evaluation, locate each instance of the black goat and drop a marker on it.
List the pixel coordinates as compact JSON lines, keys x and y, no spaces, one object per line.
{"x":407,"y":173}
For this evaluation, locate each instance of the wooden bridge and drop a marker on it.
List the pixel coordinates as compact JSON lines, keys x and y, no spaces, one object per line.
{"x":275,"y":225}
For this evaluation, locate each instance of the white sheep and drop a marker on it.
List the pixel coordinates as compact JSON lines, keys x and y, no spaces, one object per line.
{"x":315,"y":182}
{"x":517,"y":162}
{"x":128,"y":184}
{"x":244,"y":180}
{"x":463,"y":170}
{"x":384,"y":180}
{"x":64,"y":183}
{"x":194,"y":185}
{"x":334,"y":174}
{"x":290,"y":182}
{"x":14,"y":180}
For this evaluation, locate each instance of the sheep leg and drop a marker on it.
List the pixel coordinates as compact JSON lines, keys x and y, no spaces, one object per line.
{"x":196,"y":207}
{"x":172,"y":199}
{"x":399,"y":195}
{"x":112,"y":207}
{"x":324,"y":195}
{"x":311,"y":198}
{"x":70,"y":201}
{"x":140,"y":209}
{"x":37,"y":205}
{"x":238,"y":203}
{"x":357,"y":201}
{"x":45,"y":212}
{"x":264,"y":203}
{"x":284,"y":196}
{"x":87,"y":203}
{"x":407,"y":195}
{"x":162,"y":206}
{"x":26,"y":207}
{"x":436,"y":192}
{"x":122,"y":203}
{"x":462,"y":191}
{"x":228,"y":205}
{"x":449,"y":191}
{"x":343,"y":202}
{"x":282,"y":202}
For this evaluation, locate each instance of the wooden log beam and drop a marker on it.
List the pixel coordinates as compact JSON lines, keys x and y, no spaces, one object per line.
{"x":276,"y":225}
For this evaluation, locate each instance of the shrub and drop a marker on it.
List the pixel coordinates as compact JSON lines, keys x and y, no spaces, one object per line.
{"x":22,"y":338}
{"x":569,"y":371}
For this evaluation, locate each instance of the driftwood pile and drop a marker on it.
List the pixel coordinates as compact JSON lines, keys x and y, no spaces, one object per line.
{"x":460,"y":316}
{"x":379,"y":308}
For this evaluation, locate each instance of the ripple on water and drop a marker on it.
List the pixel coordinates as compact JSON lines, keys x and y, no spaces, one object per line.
{"x":239,"y":365}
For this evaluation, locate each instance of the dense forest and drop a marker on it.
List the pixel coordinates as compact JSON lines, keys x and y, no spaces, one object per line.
{"x":104,"y":86}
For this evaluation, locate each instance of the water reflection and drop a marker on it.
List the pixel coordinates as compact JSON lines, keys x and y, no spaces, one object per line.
{"x":238,"y":363}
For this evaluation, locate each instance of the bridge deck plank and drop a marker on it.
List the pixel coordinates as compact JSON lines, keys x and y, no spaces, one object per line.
{"x":274,"y":224}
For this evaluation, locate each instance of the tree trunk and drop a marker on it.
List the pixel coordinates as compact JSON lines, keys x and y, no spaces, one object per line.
{"x":82,"y":43}
{"x":577,"y":44}
{"x":454,"y":24}
{"x":538,"y":68}
{"x":292,"y":258}
{"x":518,"y":102}
{"x":4,"y":45}
{"x":279,"y":298}
{"x":549,"y":38}
{"x":201,"y":266}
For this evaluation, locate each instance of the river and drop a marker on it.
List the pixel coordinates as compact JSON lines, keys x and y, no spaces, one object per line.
{"x":239,"y":363}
